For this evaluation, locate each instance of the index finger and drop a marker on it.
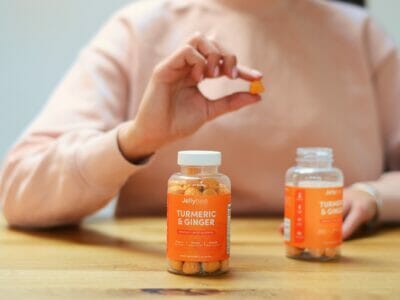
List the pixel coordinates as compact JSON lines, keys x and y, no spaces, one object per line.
{"x":185,"y":60}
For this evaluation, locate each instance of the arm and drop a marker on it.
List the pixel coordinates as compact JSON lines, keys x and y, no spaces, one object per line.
{"x":57,"y":172}
{"x":74,"y":158}
{"x":361,"y":207}
{"x":387,"y":80}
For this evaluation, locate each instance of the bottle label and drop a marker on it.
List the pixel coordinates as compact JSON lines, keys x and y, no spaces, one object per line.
{"x":198,"y":227}
{"x":313,"y":217}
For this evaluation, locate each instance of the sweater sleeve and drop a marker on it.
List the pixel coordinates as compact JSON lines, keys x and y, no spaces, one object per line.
{"x":385,"y":66}
{"x":67,"y":164}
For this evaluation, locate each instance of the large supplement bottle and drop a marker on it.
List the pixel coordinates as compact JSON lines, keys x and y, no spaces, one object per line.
{"x":198,"y":215}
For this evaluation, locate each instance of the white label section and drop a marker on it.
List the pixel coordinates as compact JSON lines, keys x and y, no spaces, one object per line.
{"x":228,"y":230}
{"x":286,"y":229}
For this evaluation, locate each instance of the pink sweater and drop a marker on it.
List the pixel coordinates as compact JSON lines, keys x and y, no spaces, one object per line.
{"x":333,"y":80}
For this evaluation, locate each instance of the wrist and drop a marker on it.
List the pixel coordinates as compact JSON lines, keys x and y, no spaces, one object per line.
{"x":370,"y":190}
{"x":134,"y":145}
{"x":375,"y":195}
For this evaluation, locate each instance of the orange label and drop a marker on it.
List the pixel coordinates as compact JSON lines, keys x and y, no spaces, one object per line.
{"x":198,"y":227}
{"x":313,"y":217}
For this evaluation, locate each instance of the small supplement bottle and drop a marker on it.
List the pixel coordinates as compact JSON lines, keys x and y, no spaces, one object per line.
{"x":313,"y":206}
{"x":198,"y":216}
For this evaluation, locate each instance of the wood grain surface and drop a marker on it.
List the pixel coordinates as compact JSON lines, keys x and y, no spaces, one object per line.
{"x":125,"y":259}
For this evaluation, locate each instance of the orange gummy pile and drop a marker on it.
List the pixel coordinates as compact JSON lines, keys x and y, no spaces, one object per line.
{"x":256,"y":87}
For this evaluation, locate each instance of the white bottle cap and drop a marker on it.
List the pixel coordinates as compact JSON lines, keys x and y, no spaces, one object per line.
{"x":199,"y":158}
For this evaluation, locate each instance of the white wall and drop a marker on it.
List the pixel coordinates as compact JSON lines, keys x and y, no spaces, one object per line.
{"x":387,"y":12}
{"x":39,"y":39}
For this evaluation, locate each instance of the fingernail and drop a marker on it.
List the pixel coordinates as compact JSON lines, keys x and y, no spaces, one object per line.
{"x":256,"y":73}
{"x":216,"y":72}
{"x":234,"y":72}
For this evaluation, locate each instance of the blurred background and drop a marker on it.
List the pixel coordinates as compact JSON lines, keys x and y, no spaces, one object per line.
{"x":39,"y":40}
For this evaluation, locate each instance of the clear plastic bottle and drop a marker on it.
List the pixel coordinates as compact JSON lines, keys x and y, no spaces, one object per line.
{"x":313,"y":206}
{"x":198,"y":216}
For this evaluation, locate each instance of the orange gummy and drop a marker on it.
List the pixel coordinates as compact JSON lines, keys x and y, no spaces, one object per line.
{"x":256,"y":87}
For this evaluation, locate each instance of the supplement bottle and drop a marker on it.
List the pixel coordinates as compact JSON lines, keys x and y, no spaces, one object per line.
{"x":198,"y":215}
{"x":313,"y":206}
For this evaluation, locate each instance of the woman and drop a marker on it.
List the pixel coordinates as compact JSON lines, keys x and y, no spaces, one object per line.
{"x":131,"y":101}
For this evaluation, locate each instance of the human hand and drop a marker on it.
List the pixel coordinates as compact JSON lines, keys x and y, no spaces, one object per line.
{"x":173,"y":107}
{"x":359,"y":207}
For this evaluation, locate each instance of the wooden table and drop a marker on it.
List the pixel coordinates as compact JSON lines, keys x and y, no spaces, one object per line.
{"x":108,"y":259}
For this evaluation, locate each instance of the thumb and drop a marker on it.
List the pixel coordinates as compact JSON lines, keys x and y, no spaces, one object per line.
{"x":230,"y":103}
{"x":352,"y":222}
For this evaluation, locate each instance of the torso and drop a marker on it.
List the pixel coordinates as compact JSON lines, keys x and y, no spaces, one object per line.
{"x":319,"y":94}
